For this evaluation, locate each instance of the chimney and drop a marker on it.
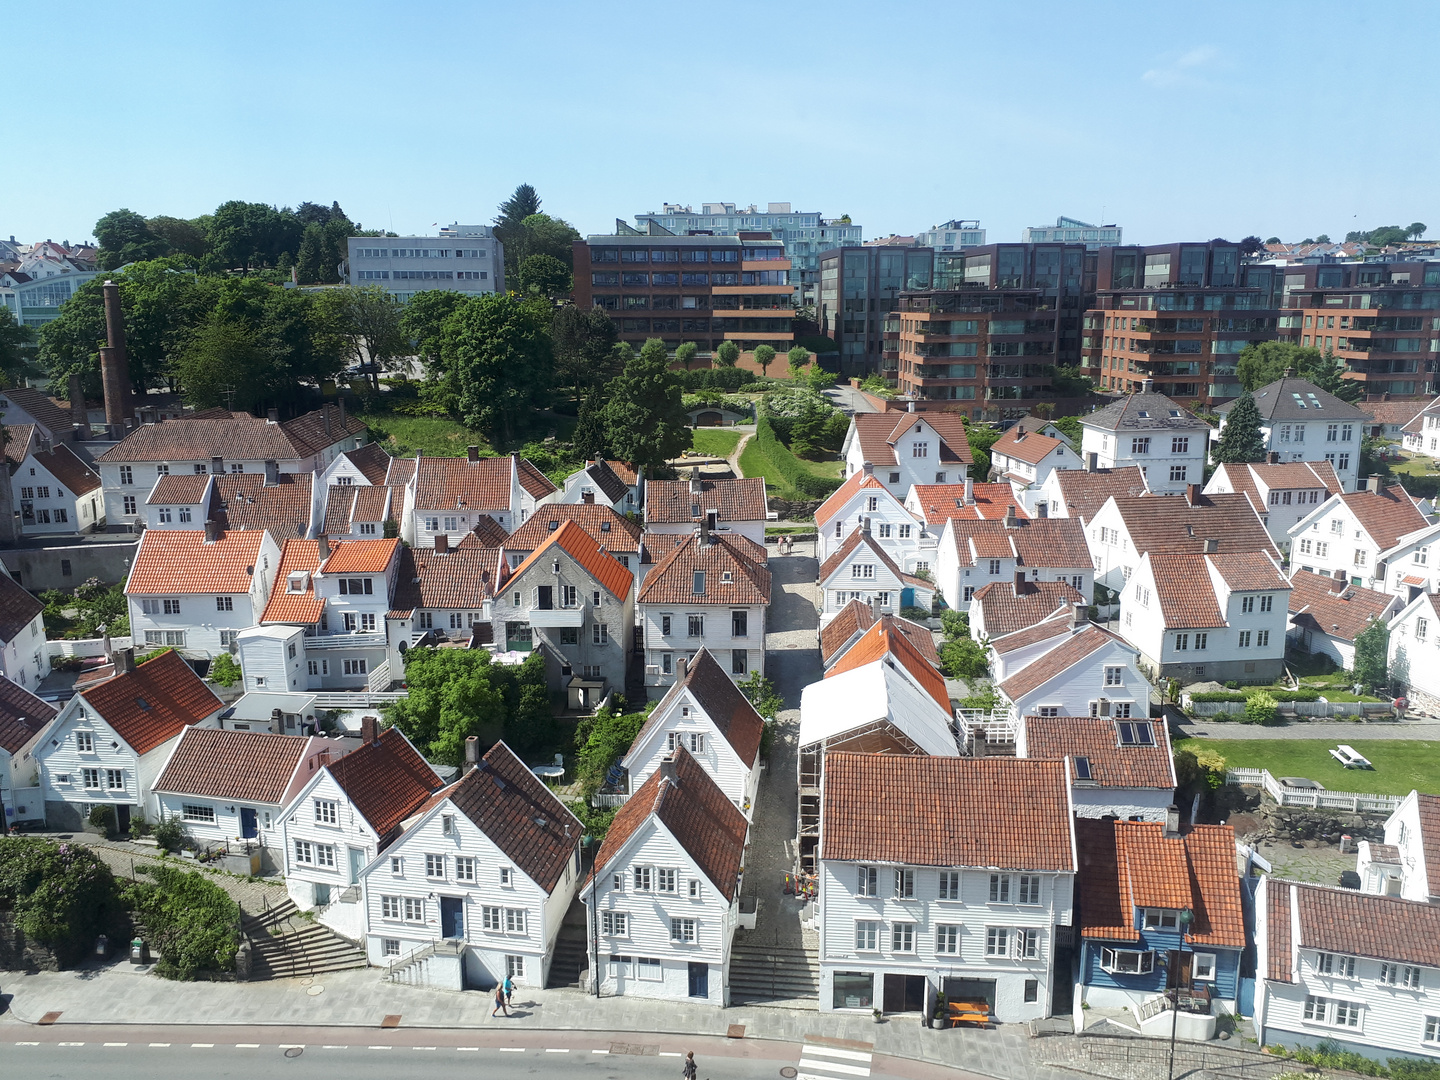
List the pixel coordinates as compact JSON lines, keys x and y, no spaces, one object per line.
{"x":340,"y":399}
{"x":1372,"y":485}
{"x":79,"y":418}
{"x":712,"y":519}
{"x":1172,"y":821}
{"x":1340,"y":575}
{"x":472,"y":754}
{"x":695,"y":487}
{"x":442,"y":544}
{"x":1011,"y":521}
{"x":587,"y":497}
{"x":1147,"y":386}
{"x":115,"y":361}
{"x":212,"y":531}
{"x":272,"y":416}
{"x":969,"y":491}
{"x":1078,"y":616}
{"x":1289,"y":373}
{"x":323,"y":544}
{"x":124,"y":661}
{"x":1092,"y":461}
{"x":272,"y":473}
{"x":1212,"y":545}
{"x":472,"y":454}
{"x":277,"y":722}
{"x":667,"y":769}
{"x":325,"y":415}
{"x":1192,"y":493}
{"x":1019,"y":581}
{"x":704,"y":533}
{"x":680,"y":666}
{"x":1019,"y":434}
{"x":869,"y":468}
{"x":217,"y":466}
{"x":1272,"y":458}
{"x":910,"y":405}
{"x":865,"y":526}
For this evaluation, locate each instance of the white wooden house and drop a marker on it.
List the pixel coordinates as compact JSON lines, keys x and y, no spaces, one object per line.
{"x":1117,"y":767}
{"x":349,"y":812}
{"x":1375,"y":537}
{"x":1407,"y":863}
{"x":973,"y":554}
{"x":948,"y":897}
{"x":24,"y":657}
{"x":1026,"y":458}
{"x":861,"y":569}
{"x":475,"y":888}
{"x":1327,"y":615}
{"x":706,"y":713}
{"x":664,"y":895}
{"x":1414,"y":653}
{"x":113,"y":738}
{"x":1283,"y":492}
{"x":599,"y":484}
{"x":1151,"y":432}
{"x":863,"y":498}
{"x":23,"y":721}
{"x":1094,"y":673}
{"x":448,"y":495}
{"x":908,"y":448}
{"x":54,"y":490}
{"x":1301,"y":422}
{"x":733,"y":506}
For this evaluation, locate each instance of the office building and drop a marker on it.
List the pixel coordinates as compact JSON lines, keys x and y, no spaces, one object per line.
{"x":804,"y":233}
{"x":700,"y":288}
{"x":1070,"y":231}
{"x":954,"y":235}
{"x":463,"y":258}
{"x":858,"y":298}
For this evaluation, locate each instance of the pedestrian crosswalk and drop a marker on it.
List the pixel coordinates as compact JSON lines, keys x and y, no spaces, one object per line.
{"x":819,"y":1061}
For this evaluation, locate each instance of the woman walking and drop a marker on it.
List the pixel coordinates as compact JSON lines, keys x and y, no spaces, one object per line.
{"x":500,"y":1000}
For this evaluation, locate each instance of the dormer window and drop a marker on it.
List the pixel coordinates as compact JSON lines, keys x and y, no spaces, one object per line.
{"x":726,"y":577}
{"x":297,"y":582}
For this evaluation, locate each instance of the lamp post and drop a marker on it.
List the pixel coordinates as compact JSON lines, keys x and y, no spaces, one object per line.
{"x":1185,"y":919}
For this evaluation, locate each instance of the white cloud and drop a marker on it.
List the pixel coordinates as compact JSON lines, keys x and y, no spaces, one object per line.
{"x":1186,"y":69}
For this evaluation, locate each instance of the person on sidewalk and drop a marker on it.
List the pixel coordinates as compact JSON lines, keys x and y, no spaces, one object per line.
{"x":509,"y":985}
{"x":500,"y":1000}
{"x":688,"y":1072}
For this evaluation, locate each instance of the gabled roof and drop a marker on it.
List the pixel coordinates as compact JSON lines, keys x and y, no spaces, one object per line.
{"x":1335,"y":608}
{"x":1386,"y":515}
{"x":951,"y":815}
{"x":371,"y":460}
{"x":720,"y":699}
{"x":520,"y":815}
{"x":1144,"y":412}
{"x":707,"y":825}
{"x":606,"y":527}
{"x":66,"y":467}
{"x":877,"y":433}
{"x":1035,"y":542}
{"x":1297,"y":399}
{"x":881,"y":641}
{"x":535,"y":482}
{"x":246,"y":501}
{"x":1031,"y":448}
{"x":153,"y":703}
{"x":844,"y":631}
{"x":233,"y":437}
{"x":43,"y":409}
{"x":303,"y":607}
{"x":321,"y":428}
{"x":488,"y":532}
{"x":251,"y":766}
{"x":937,"y":502}
{"x":1364,"y":924}
{"x":457,"y":483}
{"x":1084,"y":491}
{"x":1248,"y":571}
{"x":1429,"y":807}
{"x":179,"y":489}
{"x":17,"y":607}
{"x":22,"y":715}
{"x":386,"y":781}
{"x":624,"y":470}
{"x":1171,"y":524}
{"x":860,"y":538}
{"x":1059,"y":660}
{"x":1278,"y":946}
{"x":360,"y":557}
{"x":461,"y":578}
{"x":1126,"y":865}
{"x":603,"y":477}
{"x":181,"y":561}
{"x":672,"y":580}
{"x":1061,"y":624}
{"x":20,"y":443}
{"x":400,"y":471}
{"x":673,"y":501}
{"x":1096,"y":739}
{"x":577,"y":543}
{"x":852,"y":486}
{"x":1186,"y":592}
{"x":1008,"y":608}
{"x":880,"y":691}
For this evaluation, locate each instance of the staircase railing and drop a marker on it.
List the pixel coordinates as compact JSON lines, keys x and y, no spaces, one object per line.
{"x":414,"y":956}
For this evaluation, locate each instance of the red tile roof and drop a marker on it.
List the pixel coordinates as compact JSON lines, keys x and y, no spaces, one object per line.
{"x":43,"y":409}
{"x":1170,"y":524}
{"x":372,"y":461}
{"x":1277,"y":931}
{"x":400,"y":472}
{"x":302,"y":608}
{"x":937,"y":502}
{"x":1030,"y":448}
{"x":67,"y":468}
{"x":1186,"y":592}
{"x":851,"y":487}
{"x":246,"y":501}
{"x":452,"y":483}
{"x":251,"y":766}
{"x":881,"y":640}
{"x":625,"y":471}
{"x":180,"y":561}
{"x":1366,"y":924}
{"x":1429,"y":806}
{"x":179,"y":489}
{"x":1095,"y":738}
{"x":688,"y":803}
{"x":462,"y":578}
{"x":672,"y":501}
{"x":1057,"y":661}
{"x":1387,"y":515}
{"x":153,"y":703}
{"x":1036,"y":542}
{"x":1059,"y":625}
{"x":488,"y":532}
{"x":240,"y":436}
{"x":599,"y":473}
{"x":360,"y":557}
{"x":1006,"y":609}
{"x":314,"y":431}
{"x":536,"y":483}
{"x":609,"y":529}
{"x":877,"y":433}
{"x":854,"y":618}
{"x":1084,"y":492}
{"x":716,"y":693}
{"x":1336,"y":608}
{"x":22,"y":715}
{"x":577,"y":543}
{"x":1249,"y":571}
{"x":672,"y":580}
{"x":19,"y":443}
{"x":949,"y":815}
{"x":387,"y":781}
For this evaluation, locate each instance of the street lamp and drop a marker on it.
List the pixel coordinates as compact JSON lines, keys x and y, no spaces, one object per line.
{"x":1185,"y":919}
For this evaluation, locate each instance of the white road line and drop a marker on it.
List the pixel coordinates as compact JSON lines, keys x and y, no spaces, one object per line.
{"x":468,"y":1049}
{"x":334,"y":1046}
{"x":117,"y":1044}
{"x":833,"y":1066}
{"x":27,"y":1044}
{"x":292,"y":1046}
{"x":826,"y":1051}
{"x":159,"y":1044}
{"x":814,"y":1076}
{"x":552,"y":1050}
{"x":247,"y":1046}
{"x":592,"y":1051}
{"x":201,"y":1046}
{"x":511,"y":1049}
{"x":381,"y":1048}
{"x":70,"y":1044}
{"x":671,"y":1053}
{"x":422,"y":1048}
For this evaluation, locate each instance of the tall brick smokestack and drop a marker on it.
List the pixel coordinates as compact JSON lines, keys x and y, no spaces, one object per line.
{"x":115,"y":364}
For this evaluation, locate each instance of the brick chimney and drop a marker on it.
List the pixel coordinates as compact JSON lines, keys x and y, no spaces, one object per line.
{"x":115,"y":363}
{"x":1192,"y":493}
{"x":472,"y":754}
{"x":1272,"y":457}
{"x":1011,"y":519}
{"x":1079,"y":617}
{"x":472,"y":454}
{"x":1019,"y":581}
{"x":212,"y":531}
{"x":442,"y":544}
{"x":869,"y":468}
{"x":322,"y":543}
{"x":1092,"y":461}
{"x":369,"y":729}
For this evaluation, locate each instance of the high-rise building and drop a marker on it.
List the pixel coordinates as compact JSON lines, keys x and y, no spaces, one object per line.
{"x":954,"y":235}
{"x":858,"y":297}
{"x":701,"y":288}
{"x":1070,"y":231}
{"x":805,"y":233}
{"x":463,"y":258}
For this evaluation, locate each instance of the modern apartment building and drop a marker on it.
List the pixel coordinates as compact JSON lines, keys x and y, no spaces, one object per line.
{"x":956,"y":234}
{"x":1068,"y":230}
{"x":705,"y":289}
{"x":858,"y":299}
{"x":1179,"y":314}
{"x":463,"y":258}
{"x":804,"y":233}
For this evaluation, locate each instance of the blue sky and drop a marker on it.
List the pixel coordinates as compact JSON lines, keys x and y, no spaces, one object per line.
{"x":1177,"y":121}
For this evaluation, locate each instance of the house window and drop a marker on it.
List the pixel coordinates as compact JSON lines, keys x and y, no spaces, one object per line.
{"x":327,"y":812}
{"x":224,"y":603}
{"x":1247,"y":605}
{"x":1177,"y":474}
{"x":1032,"y":989}
{"x":683,"y":931}
{"x":492,"y":918}
{"x":1140,"y":446}
{"x":999,"y":888}
{"x":615,"y":923}
{"x":1027,"y":944}
{"x":193,"y":812}
{"x":1422,"y":627}
{"x":163,"y":514}
{"x":994,"y":567}
{"x":127,"y":504}
{"x":397,"y":865}
{"x":1244,"y":642}
{"x":739,"y":624}
{"x":902,"y":937}
{"x":697,"y":743}
{"x":414,"y":909}
{"x":867,"y":936}
{"x":949,"y":884}
{"x":883,"y":531}
{"x":85,"y":741}
{"x":1160,"y":919}
{"x":696,"y":626}
{"x":1127,"y":961}
{"x":514,"y":920}
{"x":185,"y":515}
{"x":947,"y":940}
{"x":695,"y":893}
{"x":115,"y":779}
{"x":1320,"y":1010}
{"x":642,"y":878}
{"x":697,"y":583}
{"x":868,"y":883}
{"x":997,"y":941}
{"x":355,"y":667}
{"x":1335,"y":964}
{"x":1182,"y":642}
{"x":865,"y":571}
{"x":905,"y":884}
{"x":1029,"y":889}
{"x":904,"y":532}
{"x":569,"y":635}
{"x":1180,"y":444}
{"x":600,"y":634}
{"x":434,"y":866}
{"x":1262,"y":638}
{"x":507,"y":878}
{"x":1360,"y":556}
{"x":1400,"y":975}
{"x":920,"y":450}
{"x":127,"y":475}
{"x":665,"y":881}
{"x":391,"y":947}
{"x":390,"y":907}
{"x":1114,"y":676}
{"x":1203,"y":967}
{"x":739,"y":662}
{"x":1266,"y":603}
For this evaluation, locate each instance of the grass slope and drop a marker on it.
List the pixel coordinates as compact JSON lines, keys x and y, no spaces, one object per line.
{"x":718,"y":442}
{"x":403,"y":435}
{"x":1400,"y":764}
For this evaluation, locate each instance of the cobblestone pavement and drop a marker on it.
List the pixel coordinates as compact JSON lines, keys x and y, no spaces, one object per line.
{"x":1405,"y":729}
{"x":1321,"y":865}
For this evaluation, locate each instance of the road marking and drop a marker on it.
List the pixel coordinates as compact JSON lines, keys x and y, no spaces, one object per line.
{"x":552,"y":1050}
{"x":334,"y":1046}
{"x":247,"y":1046}
{"x":511,"y":1049}
{"x":422,"y":1048}
{"x":201,"y":1046}
{"x":292,"y":1046}
{"x":159,"y":1044}
{"x":27,"y":1044}
{"x":831,"y":1066}
{"x":382,"y":1048}
{"x":70,"y":1044}
{"x":671,"y":1053}
{"x":468,"y":1049}
{"x":117,"y":1044}
{"x":826,"y":1051}
{"x":592,"y":1051}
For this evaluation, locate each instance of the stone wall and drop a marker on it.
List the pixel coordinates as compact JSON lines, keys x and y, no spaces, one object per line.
{"x":18,"y":953}
{"x":794,"y":511}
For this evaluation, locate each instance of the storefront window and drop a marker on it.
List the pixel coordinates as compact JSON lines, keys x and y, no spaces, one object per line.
{"x":854,"y":990}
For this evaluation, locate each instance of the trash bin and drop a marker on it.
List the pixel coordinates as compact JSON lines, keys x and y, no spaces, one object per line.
{"x":102,"y":947}
{"x":139,"y":951}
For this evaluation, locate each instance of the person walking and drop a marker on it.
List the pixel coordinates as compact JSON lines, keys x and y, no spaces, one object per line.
{"x":688,"y":1072}
{"x":499,"y":1000}
{"x":509,"y":985}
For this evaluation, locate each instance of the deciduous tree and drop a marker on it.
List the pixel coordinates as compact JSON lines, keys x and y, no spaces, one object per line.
{"x":544,"y":275}
{"x":584,"y":341}
{"x":125,"y":237}
{"x":685,"y":353}
{"x":645,"y":421}
{"x":365,"y":320}
{"x":498,"y":348}
{"x":1371,"y":655}
{"x":727,"y":354}
{"x":764,"y":356}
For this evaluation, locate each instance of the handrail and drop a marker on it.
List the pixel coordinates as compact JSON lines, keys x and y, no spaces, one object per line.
{"x":414,"y":956}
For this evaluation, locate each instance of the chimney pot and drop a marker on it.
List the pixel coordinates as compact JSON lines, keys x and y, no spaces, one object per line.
{"x":1079,"y":616}
{"x":1147,"y":386}
{"x":369,"y":729}
{"x":472,"y":454}
{"x":273,"y":416}
{"x":472,"y":753}
{"x":1272,"y":458}
{"x":695,"y":486}
{"x":442,"y":543}
{"x":1011,"y":520}
{"x":1192,"y":493}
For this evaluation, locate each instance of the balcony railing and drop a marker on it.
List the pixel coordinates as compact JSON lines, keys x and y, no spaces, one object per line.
{"x":346,"y":640}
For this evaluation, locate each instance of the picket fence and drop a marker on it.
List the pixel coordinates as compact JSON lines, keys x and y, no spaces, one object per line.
{"x":1314,"y":798}
{"x":1299,"y":708}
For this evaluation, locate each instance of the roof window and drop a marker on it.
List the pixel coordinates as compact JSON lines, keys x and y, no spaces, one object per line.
{"x":698,"y":587}
{"x":1082,"y":768}
{"x":1298,"y":400}
{"x":1144,"y":414}
{"x":604,"y":526}
{"x":554,"y":525}
{"x":1131,"y":734}
{"x":142,"y":703}
{"x":1175,"y":412}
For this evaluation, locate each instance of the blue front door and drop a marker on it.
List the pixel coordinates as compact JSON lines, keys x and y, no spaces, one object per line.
{"x":452,"y":917}
{"x":700,"y":980}
{"x":249,"y":827}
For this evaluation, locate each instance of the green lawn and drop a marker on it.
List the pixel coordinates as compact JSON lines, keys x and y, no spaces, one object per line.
{"x":1419,"y":465}
{"x":1400,"y":764}
{"x":754,"y":463}
{"x":403,"y":435}
{"x":717,"y":442}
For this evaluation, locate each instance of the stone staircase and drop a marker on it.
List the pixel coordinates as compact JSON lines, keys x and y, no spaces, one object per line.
{"x":569,"y":959}
{"x":284,"y":945}
{"x":764,"y":972}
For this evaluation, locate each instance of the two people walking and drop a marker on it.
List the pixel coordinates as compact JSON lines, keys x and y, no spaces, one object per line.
{"x":503,"y":992}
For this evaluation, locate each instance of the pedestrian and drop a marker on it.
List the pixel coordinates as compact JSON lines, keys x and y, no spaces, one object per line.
{"x":509,"y":989}
{"x":500,"y":1000}
{"x":688,"y":1072}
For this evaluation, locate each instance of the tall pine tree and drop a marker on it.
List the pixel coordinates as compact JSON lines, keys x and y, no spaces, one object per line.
{"x":1240,"y":439}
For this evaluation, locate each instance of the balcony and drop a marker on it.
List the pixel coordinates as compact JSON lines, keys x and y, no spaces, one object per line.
{"x":354,"y":639}
{"x":547,"y":618}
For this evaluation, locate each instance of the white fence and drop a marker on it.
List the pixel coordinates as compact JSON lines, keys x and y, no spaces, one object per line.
{"x":85,"y":647}
{"x":607,"y":802}
{"x":1315,"y":798}
{"x":1299,"y":708}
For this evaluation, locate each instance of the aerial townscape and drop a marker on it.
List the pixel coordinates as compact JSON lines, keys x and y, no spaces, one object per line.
{"x":734,"y":638}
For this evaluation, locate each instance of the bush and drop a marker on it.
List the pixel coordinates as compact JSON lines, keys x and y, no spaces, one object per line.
{"x":963,"y":658}
{"x":986,"y":700}
{"x":721,"y":378}
{"x":193,"y":923}
{"x":595,"y":820}
{"x":914,"y":613}
{"x":761,"y":693}
{"x":608,"y":738}
{"x":138,"y":827}
{"x":62,"y":895}
{"x":1261,"y":709}
{"x":1199,"y":769}
{"x":102,"y":817}
{"x":224,"y":671}
{"x":790,"y":469}
{"x":169,"y":833}
{"x":956,"y":624}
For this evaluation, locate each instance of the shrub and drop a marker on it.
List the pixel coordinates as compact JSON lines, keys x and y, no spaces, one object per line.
{"x":1199,"y":769}
{"x":761,"y":693}
{"x":914,"y":613}
{"x":193,"y":923}
{"x":102,"y":817}
{"x":956,"y":624}
{"x":721,"y":378}
{"x":963,"y":658}
{"x":169,"y":833}
{"x":1261,"y":709}
{"x":224,"y":671}
{"x":138,"y":826}
{"x":595,"y":820}
{"x":609,"y":736}
{"x":61,"y":894}
{"x":986,"y":700}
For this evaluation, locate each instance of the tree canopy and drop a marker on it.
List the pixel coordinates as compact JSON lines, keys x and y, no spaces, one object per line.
{"x":17,"y":347}
{"x":1262,"y":362}
{"x":365,"y":323}
{"x":1240,"y":439}
{"x":544,"y":275}
{"x":645,"y":421}
{"x":584,"y":342}
{"x":497,"y":349}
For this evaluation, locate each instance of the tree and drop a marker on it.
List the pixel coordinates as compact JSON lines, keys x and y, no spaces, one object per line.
{"x":180,"y":236}
{"x":544,"y":275}
{"x":1416,"y":229}
{"x":1273,"y":240}
{"x":422,"y":321}
{"x":645,"y":421}
{"x":980,"y":437}
{"x":727,"y":354}
{"x":798,"y":357}
{"x":1371,"y":655}
{"x":223,"y":363}
{"x":608,"y":739}
{"x":524,"y":202}
{"x":764,"y":356}
{"x":540,"y":234}
{"x":16,"y":347}
{"x":498,"y":349}
{"x":1071,"y":382}
{"x":125,"y":237}
{"x":456,"y":693}
{"x":365,"y":321}
{"x":964,"y":658}
{"x":1323,"y":238}
{"x":244,"y":235}
{"x":589,"y":440}
{"x":1252,"y":245}
{"x":1240,"y":438}
{"x":1262,"y":362}
{"x":685,"y":353}
{"x":584,"y":344}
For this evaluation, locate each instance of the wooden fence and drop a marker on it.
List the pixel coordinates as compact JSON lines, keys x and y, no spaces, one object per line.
{"x":1315,"y":798}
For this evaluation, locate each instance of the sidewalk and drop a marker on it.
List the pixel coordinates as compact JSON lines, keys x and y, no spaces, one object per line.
{"x":117,"y":994}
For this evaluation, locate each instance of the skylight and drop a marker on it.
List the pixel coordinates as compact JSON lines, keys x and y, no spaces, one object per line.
{"x":1082,"y":768}
{"x":1136,"y":734}
{"x":1174,"y":412}
{"x":1298,"y":400}
{"x":1144,"y":415}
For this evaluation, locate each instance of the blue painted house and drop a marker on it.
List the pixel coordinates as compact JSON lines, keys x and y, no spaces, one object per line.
{"x":1159,"y":907}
